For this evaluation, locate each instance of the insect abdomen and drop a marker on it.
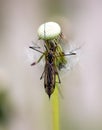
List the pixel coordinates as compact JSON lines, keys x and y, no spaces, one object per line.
{"x":49,"y":80}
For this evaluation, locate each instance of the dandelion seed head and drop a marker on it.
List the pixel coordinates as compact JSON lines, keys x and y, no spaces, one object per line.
{"x":49,"y":30}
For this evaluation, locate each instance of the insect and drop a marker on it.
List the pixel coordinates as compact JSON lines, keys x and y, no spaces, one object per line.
{"x":50,"y":72}
{"x":54,"y":60}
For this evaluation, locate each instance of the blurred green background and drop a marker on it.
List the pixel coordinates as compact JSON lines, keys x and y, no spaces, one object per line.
{"x":24,"y":104}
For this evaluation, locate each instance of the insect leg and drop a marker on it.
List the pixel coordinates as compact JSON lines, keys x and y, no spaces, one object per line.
{"x":35,"y":44}
{"x":71,"y":53}
{"x":56,"y":72}
{"x":58,"y":77}
{"x":68,"y":54}
{"x":42,"y":74}
{"x":34,"y":63}
{"x":34,"y":48}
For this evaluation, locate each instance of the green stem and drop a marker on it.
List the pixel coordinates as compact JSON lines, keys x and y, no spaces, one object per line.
{"x":55,"y":109}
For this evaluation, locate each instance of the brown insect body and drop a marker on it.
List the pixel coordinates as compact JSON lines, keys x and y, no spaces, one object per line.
{"x":50,"y":73}
{"x":54,"y":61}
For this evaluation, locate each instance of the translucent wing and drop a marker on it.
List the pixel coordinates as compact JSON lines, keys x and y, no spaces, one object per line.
{"x":33,"y":55}
{"x":70,"y":48}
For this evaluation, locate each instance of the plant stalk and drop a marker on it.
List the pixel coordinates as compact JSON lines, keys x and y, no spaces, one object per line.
{"x":55,"y":109}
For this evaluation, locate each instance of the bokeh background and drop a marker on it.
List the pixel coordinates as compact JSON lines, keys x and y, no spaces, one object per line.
{"x":24,"y":104}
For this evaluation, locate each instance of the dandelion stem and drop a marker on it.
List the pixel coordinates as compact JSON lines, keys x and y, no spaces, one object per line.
{"x":55,"y":109}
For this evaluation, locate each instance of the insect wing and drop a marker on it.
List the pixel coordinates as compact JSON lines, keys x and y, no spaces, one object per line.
{"x":49,"y":79}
